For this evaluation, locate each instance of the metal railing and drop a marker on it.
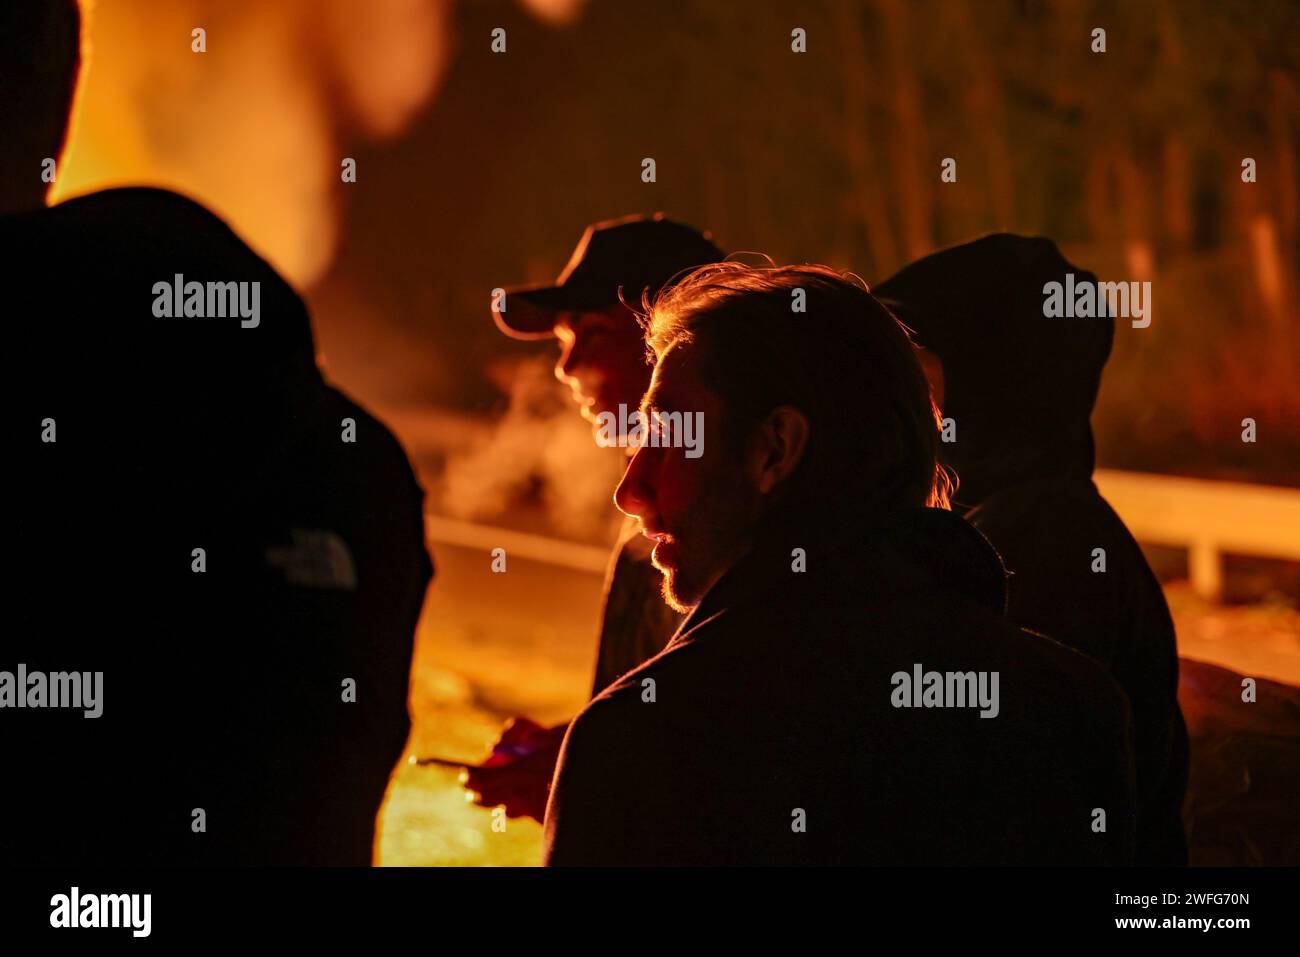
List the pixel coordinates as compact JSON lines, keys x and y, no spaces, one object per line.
{"x":1207,"y":518}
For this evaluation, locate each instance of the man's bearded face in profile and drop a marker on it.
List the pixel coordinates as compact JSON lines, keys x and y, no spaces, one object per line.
{"x":700,"y":512}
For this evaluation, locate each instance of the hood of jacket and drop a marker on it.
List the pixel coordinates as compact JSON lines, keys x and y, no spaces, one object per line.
{"x":99,"y":270}
{"x":1020,"y":386}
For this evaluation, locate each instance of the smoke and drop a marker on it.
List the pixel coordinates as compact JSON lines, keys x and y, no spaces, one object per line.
{"x":539,"y":458}
{"x":254,"y":127}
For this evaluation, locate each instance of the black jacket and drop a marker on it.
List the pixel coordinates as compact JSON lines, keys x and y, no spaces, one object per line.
{"x":1020,"y":388}
{"x":223,"y":690}
{"x":772,"y":736}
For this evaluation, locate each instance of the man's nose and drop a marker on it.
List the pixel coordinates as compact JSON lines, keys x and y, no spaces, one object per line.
{"x":566,"y":363}
{"x":633,"y":495}
{"x":579,"y":359}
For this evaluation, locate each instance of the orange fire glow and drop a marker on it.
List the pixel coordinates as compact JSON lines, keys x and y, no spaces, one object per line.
{"x":254,"y":127}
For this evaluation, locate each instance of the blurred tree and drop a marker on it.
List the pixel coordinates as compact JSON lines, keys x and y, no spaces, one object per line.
{"x":1130,"y":159}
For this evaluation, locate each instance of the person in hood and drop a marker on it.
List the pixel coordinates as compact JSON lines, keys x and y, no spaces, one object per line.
{"x":194,"y":527}
{"x":844,"y":689}
{"x":1019,"y":388}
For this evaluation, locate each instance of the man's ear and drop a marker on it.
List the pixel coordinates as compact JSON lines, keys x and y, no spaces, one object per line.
{"x":778,"y":448}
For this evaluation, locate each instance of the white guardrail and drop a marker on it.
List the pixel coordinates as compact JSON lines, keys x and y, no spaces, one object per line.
{"x":1207,"y":518}
{"x":538,"y":548}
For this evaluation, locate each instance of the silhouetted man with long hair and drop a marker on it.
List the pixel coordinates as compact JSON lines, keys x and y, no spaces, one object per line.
{"x":844,"y":688}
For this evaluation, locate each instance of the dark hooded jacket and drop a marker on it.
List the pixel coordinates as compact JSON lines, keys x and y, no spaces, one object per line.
{"x":1020,"y":388}
{"x":767,"y":732}
{"x":224,"y":690}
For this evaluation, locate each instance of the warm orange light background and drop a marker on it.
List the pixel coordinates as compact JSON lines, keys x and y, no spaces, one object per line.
{"x":771,"y":155}
{"x":255,"y":127}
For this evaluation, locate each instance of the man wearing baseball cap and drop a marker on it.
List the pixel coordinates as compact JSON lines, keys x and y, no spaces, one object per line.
{"x":603,"y":362}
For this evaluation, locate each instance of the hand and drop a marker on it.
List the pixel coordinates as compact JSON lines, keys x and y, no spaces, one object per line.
{"x":518,"y":773}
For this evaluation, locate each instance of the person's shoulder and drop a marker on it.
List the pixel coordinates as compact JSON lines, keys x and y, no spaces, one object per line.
{"x":1070,"y":679}
{"x":677,"y":658}
{"x":1046,"y":673}
{"x":1048,"y":507}
{"x":1079,"y":667}
{"x":139,"y":223}
{"x":371,"y":431}
{"x":608,"y":726}
{"x":146,"y":203}
{"x":687,"y":662}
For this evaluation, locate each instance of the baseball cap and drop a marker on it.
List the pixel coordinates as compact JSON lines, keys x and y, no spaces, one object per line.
{"x":633,"y":253}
